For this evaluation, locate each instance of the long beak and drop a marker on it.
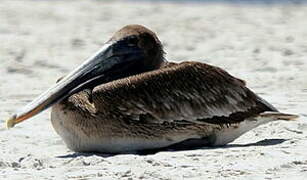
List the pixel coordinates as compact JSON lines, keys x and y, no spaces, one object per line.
{"x":106,"y":62}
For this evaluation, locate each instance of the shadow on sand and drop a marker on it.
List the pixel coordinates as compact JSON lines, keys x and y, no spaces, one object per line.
{"x":266,"y":142}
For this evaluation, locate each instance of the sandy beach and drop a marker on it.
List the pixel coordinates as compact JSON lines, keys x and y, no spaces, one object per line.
{"x":262,"y":43}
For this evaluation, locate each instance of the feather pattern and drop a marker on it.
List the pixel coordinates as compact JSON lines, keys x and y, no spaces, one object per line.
{"x":189,"y":92}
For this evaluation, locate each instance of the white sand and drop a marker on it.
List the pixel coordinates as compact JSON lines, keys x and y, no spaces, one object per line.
{"x":264,"y":44}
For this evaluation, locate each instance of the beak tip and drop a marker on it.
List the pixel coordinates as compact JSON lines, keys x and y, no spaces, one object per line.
{"x":11,"y":122}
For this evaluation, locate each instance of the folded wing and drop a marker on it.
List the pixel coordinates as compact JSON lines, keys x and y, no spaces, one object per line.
{"x":189,"y":92}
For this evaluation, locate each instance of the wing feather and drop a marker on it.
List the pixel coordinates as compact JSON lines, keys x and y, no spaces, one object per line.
{"x":186,"y":92}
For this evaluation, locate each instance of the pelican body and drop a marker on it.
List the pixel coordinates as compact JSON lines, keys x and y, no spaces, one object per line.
{"x":127,"y":97}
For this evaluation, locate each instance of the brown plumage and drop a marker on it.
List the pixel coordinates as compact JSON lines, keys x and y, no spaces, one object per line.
{"x":188,"y":98}
{"x":190,"y":91}
{"x":132,"y":99}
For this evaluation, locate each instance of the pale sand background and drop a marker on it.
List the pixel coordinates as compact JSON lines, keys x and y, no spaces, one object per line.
{"x":265,"y":44}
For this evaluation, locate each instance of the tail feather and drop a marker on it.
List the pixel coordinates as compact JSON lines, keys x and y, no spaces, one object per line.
{"x":279,"y":116}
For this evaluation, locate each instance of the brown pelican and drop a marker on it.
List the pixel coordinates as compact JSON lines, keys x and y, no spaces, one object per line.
{"x":127,"y":97}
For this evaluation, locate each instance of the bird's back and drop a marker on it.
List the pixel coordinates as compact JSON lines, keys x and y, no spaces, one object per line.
{"x":172,"y":105}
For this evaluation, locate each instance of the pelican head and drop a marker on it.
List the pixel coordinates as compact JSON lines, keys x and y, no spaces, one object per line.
{"x":132,"y":50}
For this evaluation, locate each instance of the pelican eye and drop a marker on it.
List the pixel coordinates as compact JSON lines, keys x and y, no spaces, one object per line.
{"x":132,"y":41}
